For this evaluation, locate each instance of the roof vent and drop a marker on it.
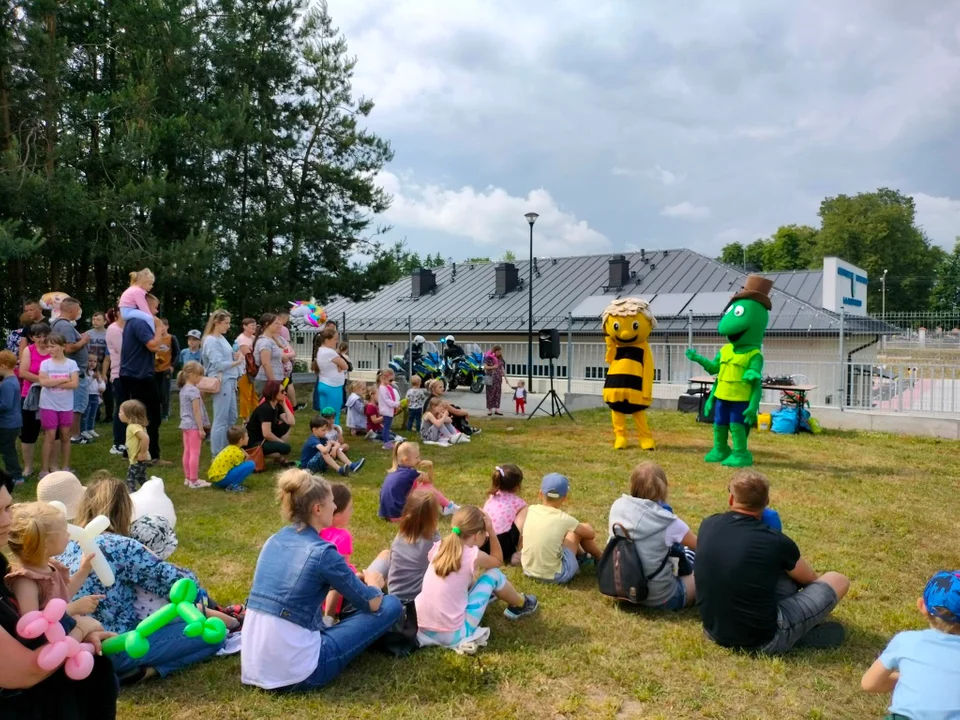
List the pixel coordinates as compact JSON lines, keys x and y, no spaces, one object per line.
{"x":424,"y":282}
{"x":507,"y":278}
{"x":619,"y":272}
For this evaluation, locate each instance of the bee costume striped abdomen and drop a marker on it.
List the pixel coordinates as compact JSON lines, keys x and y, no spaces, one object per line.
{"x":623,"y":389}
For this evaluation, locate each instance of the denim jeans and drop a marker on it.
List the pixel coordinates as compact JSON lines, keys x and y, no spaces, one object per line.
{"x":169,"y":651}
{"x":236,"y":475}
{"x":387,"y":431}
{"x":119,"y":428}
{"x":347,"y":639}
{"x":224,"y":415}
{"x":89,"y":419}
{"x":414,"y":416}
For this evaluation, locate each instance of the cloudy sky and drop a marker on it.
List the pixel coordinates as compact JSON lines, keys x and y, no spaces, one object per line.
{"x":654,"y":124}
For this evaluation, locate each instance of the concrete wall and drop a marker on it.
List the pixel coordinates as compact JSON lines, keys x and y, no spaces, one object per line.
{"x":832,"y":418}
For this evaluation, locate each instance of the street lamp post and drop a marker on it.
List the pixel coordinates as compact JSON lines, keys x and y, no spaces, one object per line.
{"x":531,"y":218}
{"x":883,"y":295}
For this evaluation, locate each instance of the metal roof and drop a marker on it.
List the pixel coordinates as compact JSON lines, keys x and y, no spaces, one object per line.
{"x":464,"y":300}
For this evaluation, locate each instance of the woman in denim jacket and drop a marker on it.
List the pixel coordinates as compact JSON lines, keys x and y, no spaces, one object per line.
{"x":285,"y":644}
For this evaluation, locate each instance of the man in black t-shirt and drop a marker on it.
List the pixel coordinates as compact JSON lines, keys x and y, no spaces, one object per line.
{"x":754,"y":590}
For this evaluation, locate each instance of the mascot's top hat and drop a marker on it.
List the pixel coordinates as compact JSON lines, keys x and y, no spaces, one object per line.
{"x":756,"y":288}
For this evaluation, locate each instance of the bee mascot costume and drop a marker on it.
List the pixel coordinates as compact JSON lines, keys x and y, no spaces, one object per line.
{"x":735,"y":397}
{"x":628,"y":390}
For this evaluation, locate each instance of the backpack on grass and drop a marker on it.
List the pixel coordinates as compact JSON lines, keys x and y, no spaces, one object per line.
{"x":620,"y":572}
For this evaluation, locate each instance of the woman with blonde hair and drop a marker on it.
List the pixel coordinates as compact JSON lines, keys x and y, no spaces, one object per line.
{"x":285,"y":643}
{"x":221,"y":361}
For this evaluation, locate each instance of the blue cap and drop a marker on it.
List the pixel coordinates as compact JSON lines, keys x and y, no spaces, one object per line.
{"x":942,"y":596}
{"x":554,"y":486}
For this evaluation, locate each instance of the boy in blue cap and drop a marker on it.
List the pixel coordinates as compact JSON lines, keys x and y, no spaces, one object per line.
{"x":553,"y":541}
{"x":922,"y":667}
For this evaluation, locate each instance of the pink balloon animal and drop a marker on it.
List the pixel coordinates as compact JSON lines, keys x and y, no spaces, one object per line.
{"x":78,"y":656}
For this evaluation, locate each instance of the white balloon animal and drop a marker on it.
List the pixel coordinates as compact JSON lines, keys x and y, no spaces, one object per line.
{"x":84,"y":537}
{"x":151,"y":499}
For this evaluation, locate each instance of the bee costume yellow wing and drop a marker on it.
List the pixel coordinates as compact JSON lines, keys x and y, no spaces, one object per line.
{"x":628,"y":388}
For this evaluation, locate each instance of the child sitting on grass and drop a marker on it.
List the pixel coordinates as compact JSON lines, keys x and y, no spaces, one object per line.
{"x":38,"y":533}
{"x":318,"y":452}
{"x":922,"y":667}
{"x":554,"y":543}
{"x":400,"y":479}
{"x":460,"y":582}
{"x":334,"y":432}
{"x":436,"y":426}
{"x":406,"y":562}
{"x":356,"y":418}
{"x":231,"y":467}
{"x":507,"y":510}
{"x":372,"y":413}
{"x":658,"y":535}
{"x":340,"y":536}
{"x":425,"y":482}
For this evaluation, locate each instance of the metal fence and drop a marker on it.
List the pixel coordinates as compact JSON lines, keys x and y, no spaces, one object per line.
{"x":909,"y":365}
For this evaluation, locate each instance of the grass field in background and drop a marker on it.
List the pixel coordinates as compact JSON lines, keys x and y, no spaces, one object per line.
{"x":878,"y":508}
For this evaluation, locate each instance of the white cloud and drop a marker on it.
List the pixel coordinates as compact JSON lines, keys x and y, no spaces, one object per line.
{"x":686,"y":210}
{"x":666,"y":177}
{"x":492,"y":217}
{"x":730,"y":235}
{"x":939,"y":217}
{"x":623,"y":172}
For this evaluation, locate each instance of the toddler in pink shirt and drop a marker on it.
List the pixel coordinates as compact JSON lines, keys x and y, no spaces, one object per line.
{"x":507,"y":510}
{"x":133,"y":302}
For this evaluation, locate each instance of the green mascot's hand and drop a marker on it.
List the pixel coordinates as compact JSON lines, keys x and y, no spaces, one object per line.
{"x":692,"y":355}
{"x":750,"y":375}
{"x":750,"y":414}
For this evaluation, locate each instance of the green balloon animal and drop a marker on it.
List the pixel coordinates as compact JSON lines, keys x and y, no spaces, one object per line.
{"x":734,"y":399}
{"x":183,"y":598}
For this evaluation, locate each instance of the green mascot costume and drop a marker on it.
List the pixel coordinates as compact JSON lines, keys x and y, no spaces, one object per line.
{"x":735,"y":397}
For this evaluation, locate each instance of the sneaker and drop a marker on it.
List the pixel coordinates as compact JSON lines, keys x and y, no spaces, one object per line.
{"x":235,"y":488}
{"x":299,"y":406}
{"x":529,"y":607}
{"x":117,"y":449}
{"x":86,"y":434}
{"x":93,"y":433}
{"x":371,"y":435}
{"x":18,"y":481}
{"x":356,"y":465}
{"x":343,"y":470}
{"x":451,"y":508}
{"x":80,"y":440}
{"x":585,"y":560}
{"x":475,"y":430}
{"x":388,"y":446}
{"x":196,"y":484}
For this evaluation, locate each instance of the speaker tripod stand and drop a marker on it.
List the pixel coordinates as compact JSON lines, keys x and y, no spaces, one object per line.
{"x":556,"y":404}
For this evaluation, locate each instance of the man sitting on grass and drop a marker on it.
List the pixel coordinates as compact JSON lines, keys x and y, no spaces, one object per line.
{"x":754,"y":590}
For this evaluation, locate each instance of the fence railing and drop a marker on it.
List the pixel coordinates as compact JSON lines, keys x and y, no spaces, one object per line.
{"x":907,"y":364}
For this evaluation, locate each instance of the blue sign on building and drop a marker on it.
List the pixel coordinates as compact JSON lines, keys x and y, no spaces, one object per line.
{"x":855,"y":280}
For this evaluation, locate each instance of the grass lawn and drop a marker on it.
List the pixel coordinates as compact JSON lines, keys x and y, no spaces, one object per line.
{"x":878,"y":508}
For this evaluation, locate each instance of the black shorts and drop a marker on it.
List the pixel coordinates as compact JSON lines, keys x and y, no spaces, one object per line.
{"x":30,"y":430}
{"x":509,"y":542}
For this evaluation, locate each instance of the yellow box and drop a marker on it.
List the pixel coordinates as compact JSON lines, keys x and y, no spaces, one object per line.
{"x":764,"y":421}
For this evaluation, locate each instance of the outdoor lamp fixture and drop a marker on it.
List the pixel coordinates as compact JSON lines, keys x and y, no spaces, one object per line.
{"x":883,"y":303}
{"x":531,"y":218}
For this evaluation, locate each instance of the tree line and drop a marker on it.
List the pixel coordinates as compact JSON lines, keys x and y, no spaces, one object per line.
{"x":216,"y":141}
{"x":876,"y":231}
